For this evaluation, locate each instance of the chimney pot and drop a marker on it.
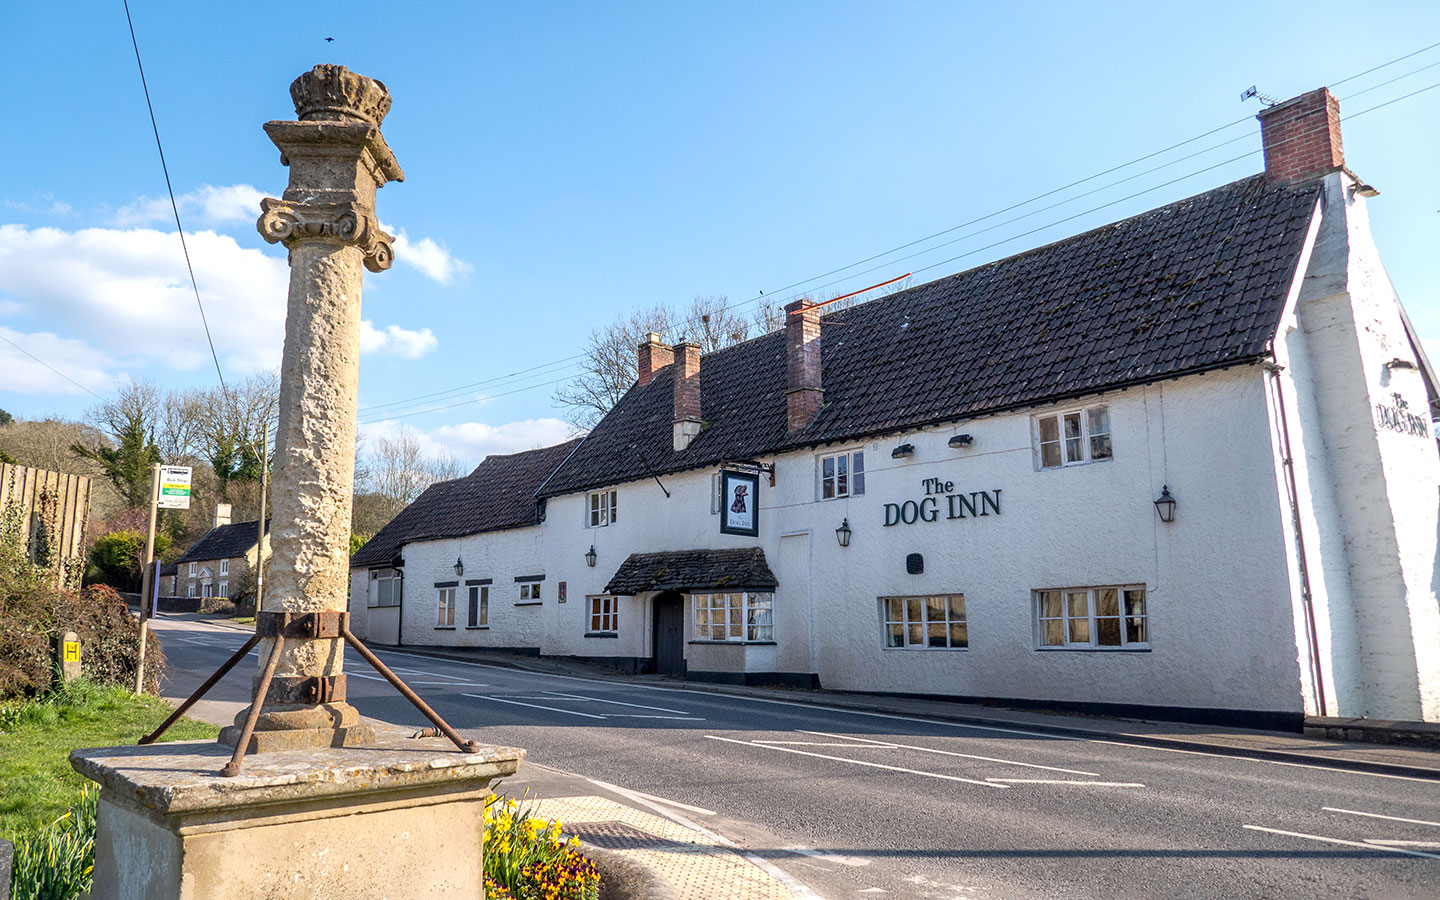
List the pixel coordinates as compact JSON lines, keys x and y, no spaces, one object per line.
{"x":222,"y":514}
{"x":803,"y":393}
{"x":1301,"y":137}
{"x":654,"y":356}
{"x":686,"y":383}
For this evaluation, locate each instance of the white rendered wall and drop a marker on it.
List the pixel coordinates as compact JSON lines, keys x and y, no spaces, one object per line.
{"x":500,"y":556}
{"x":1218,"y":581}
{"x":1370,"y":519}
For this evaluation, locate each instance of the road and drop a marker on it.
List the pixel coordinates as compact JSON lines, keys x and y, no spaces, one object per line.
{"x":870,"y":805}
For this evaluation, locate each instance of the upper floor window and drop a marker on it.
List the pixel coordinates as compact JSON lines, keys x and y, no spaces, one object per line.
{"x":842,"y":475}
{"x":604,"y":614}
{"x":1073,"y":436}
{"x":445,"y":607}
{"x":224,"y":567}
{"x":1092,"y":617}
{"x":530,"y":591}
{"x":192,"y":569}
{"x":601,"y":509}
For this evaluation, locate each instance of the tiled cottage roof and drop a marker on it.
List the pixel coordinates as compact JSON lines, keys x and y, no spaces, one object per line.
{"x":1187,"y":287}
{"x":693,"y":570}
{"x":499,"y":494}
{"x":224,"y":542}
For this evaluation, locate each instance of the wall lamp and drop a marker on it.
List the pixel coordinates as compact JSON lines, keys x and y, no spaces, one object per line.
{"x":842,"y":534}
{"x":1165,"y":505}
{"x":962,"y":440}
{"x":902,"y":451}
{"x":459,"y":567}
{"x":590,"y":556}
{"x":1398,"y":363}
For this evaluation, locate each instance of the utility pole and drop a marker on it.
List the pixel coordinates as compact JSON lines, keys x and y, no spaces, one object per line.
{"x":146,"y":577}
{"x":260,"y":541}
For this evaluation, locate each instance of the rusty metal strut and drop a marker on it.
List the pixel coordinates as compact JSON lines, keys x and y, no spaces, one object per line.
{"x":232,"y":768}
{"x":202,"y":690}
{"x":409,"y":694}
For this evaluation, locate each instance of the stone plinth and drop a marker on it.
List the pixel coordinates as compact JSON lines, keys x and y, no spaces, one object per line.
{"x":404,"y":818}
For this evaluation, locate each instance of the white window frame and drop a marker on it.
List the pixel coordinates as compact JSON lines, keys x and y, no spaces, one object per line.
{"x":477,"y":606}
{"x":604,"y":614}
{"x":190,"y":589}
{"x":207,"y":590}
{"x":601,"y":508}
{"x":445,"y":607}
{"x":924,"y":622}
{"x":394,"y":580}
{"x":747,"y":617}
{"x":222,"y":589}
{"x":192,"y":569}
{"x":840,"y":484}
{"x":224,"y":567}
{"x":530,"y":592}
{"x":1075,"y":617}
{"x":1090,"y":444}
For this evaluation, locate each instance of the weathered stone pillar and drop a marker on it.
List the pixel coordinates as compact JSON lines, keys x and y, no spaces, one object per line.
{"x":326,"y":218}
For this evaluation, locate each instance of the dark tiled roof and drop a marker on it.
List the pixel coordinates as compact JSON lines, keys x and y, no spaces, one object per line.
{"x":688,"y":570}
{"x":1183,"y":288}
{"x":499,"y":494}
{"x":224,"y":542}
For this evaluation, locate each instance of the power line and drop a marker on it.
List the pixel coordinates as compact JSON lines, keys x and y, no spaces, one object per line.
{"x":52,"y":368}
{"x":174,"y":207}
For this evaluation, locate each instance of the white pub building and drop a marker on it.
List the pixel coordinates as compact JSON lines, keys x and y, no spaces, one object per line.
{"x":1178,"y":466}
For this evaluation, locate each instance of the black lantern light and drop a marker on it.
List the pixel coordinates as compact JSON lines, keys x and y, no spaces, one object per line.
{"x":590,"y":556}
{"x":842,"y":534}
{"x":459,"y":567}
{"x":1165,"y":505}
{"x":902,"y":451}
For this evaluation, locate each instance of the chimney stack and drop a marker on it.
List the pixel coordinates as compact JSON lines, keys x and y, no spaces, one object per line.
{"x":803,"y":394}
{"x":686,"y":381}
{"x":222,"y":514}
{"x":1301,"y":137}
{"x":654,"y":356}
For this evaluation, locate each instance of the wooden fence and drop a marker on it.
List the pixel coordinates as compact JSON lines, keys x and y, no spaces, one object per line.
{"x":50,"y":510}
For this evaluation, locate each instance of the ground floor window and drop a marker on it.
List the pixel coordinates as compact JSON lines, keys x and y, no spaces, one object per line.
{"x":936,"y":622}
{"x":222,"y":589}
{"x":604,"y":614}
{"x":1111,"y":616}
{"x":190,"y":589}
{"x":739,"y":616}
{"x":387,"y":589}
{"x":479,"y":605}
{"x":445,"y":614}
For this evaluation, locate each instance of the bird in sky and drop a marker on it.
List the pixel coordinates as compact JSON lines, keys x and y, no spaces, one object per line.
{"x":329,"y":40}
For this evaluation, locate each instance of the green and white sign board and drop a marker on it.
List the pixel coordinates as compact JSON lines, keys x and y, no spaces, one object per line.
{"x":174,"y":488}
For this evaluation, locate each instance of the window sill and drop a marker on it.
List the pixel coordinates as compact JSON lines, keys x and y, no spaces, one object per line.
{"x":531,"y":603}
{"x":444,"y":627}
{"x":477,"y":627}
{"x":385,"y":606}
{"x":602,"y":634}
{"x":1144,"y":649}
{"x":736,"y":643}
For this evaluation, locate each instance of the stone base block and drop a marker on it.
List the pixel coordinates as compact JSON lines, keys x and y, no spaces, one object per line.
{"x":401,"y":820}
{"x":300,"y":738}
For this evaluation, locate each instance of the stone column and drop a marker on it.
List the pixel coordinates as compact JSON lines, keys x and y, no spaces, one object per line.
{"x":326,"y":219}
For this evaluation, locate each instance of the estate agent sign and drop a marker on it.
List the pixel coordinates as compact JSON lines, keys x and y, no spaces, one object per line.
{"x":940,"y":497}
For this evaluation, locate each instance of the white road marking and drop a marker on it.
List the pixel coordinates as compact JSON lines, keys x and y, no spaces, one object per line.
{"x":853,"y":862}
{"x":858,"y":762}
{"x":645,"y":716}
{"x":1008,"y":762}
{"x":469,"y":684}
{"x":1356,"y":812}
{"x":817,"y":744}
{"x":617,"y":702}
{"x":426,"y":674}
{"x":1057,"y":781}
{"x":361,"y":675}
{"x":567,"y":712}
{"x":1428,"y":845}
{"x":626,"y":792}
{"x":1330,"y":840}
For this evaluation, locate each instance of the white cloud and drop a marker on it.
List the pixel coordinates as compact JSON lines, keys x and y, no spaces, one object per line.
{"x":209,"y":205}
{"x":401,"y":341}
{"x":472,"y":441}
{"x":10,"y":308}
{"x":433,"y":259}
{"x":47,"y":205}
{"x":75,"y":359}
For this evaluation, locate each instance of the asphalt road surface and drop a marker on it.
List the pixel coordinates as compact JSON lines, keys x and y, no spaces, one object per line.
{"x":869,"y":805}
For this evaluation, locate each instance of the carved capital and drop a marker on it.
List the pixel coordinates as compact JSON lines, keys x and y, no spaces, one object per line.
{"x":337,"y":223}
{"x":336,"y":93}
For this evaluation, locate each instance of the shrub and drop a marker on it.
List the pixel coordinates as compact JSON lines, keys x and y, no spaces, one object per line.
{"x":527,"y":858}
{"x":59,"y":862}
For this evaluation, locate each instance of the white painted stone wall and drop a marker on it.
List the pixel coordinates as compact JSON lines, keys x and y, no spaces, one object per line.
{"x":1218,"y":582}
{"x":500,"y":556}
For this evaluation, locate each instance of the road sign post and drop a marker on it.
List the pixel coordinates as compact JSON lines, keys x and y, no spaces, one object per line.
{"x":169,"y":489}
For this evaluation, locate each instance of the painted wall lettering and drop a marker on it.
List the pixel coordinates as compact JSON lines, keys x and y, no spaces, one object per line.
{"x":941,"y":495}
{"x":1400,"y":418}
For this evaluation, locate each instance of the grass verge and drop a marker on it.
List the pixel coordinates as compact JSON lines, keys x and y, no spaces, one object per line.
{"x":36,"y":738}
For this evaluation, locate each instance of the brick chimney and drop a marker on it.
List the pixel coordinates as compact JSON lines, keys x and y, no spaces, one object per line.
{"x":654,"y":356}
{"x":686,"y":381}
{"x":803,"y":395}
{"x":222,"y":514}
{"x":1301,"y":137}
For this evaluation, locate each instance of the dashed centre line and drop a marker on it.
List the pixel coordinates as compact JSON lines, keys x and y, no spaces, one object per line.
{"x":859,"y":762}
{"x":1008,"y":762}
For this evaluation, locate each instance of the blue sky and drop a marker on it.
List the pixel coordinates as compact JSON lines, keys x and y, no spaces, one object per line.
{"x":568,"y":162}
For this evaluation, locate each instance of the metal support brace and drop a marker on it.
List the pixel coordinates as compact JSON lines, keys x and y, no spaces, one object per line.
{"x":409,"y":694}
{"x":232,"y":768}
{"x":210,"y":682}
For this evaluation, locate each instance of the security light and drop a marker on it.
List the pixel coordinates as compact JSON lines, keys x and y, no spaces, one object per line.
{"x":902,"y":451}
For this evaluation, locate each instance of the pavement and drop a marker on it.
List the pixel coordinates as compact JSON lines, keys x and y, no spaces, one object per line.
{"x":767,"y":792}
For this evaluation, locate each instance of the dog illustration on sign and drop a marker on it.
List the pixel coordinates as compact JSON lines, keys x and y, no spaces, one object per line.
{"x":739,"y":505}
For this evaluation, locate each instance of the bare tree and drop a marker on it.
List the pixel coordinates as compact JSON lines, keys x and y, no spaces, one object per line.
{"x":712,"y":324}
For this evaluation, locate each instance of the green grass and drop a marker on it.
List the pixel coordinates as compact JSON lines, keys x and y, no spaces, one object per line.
{"x":243,"y":620}
{"x":36,"y":739}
